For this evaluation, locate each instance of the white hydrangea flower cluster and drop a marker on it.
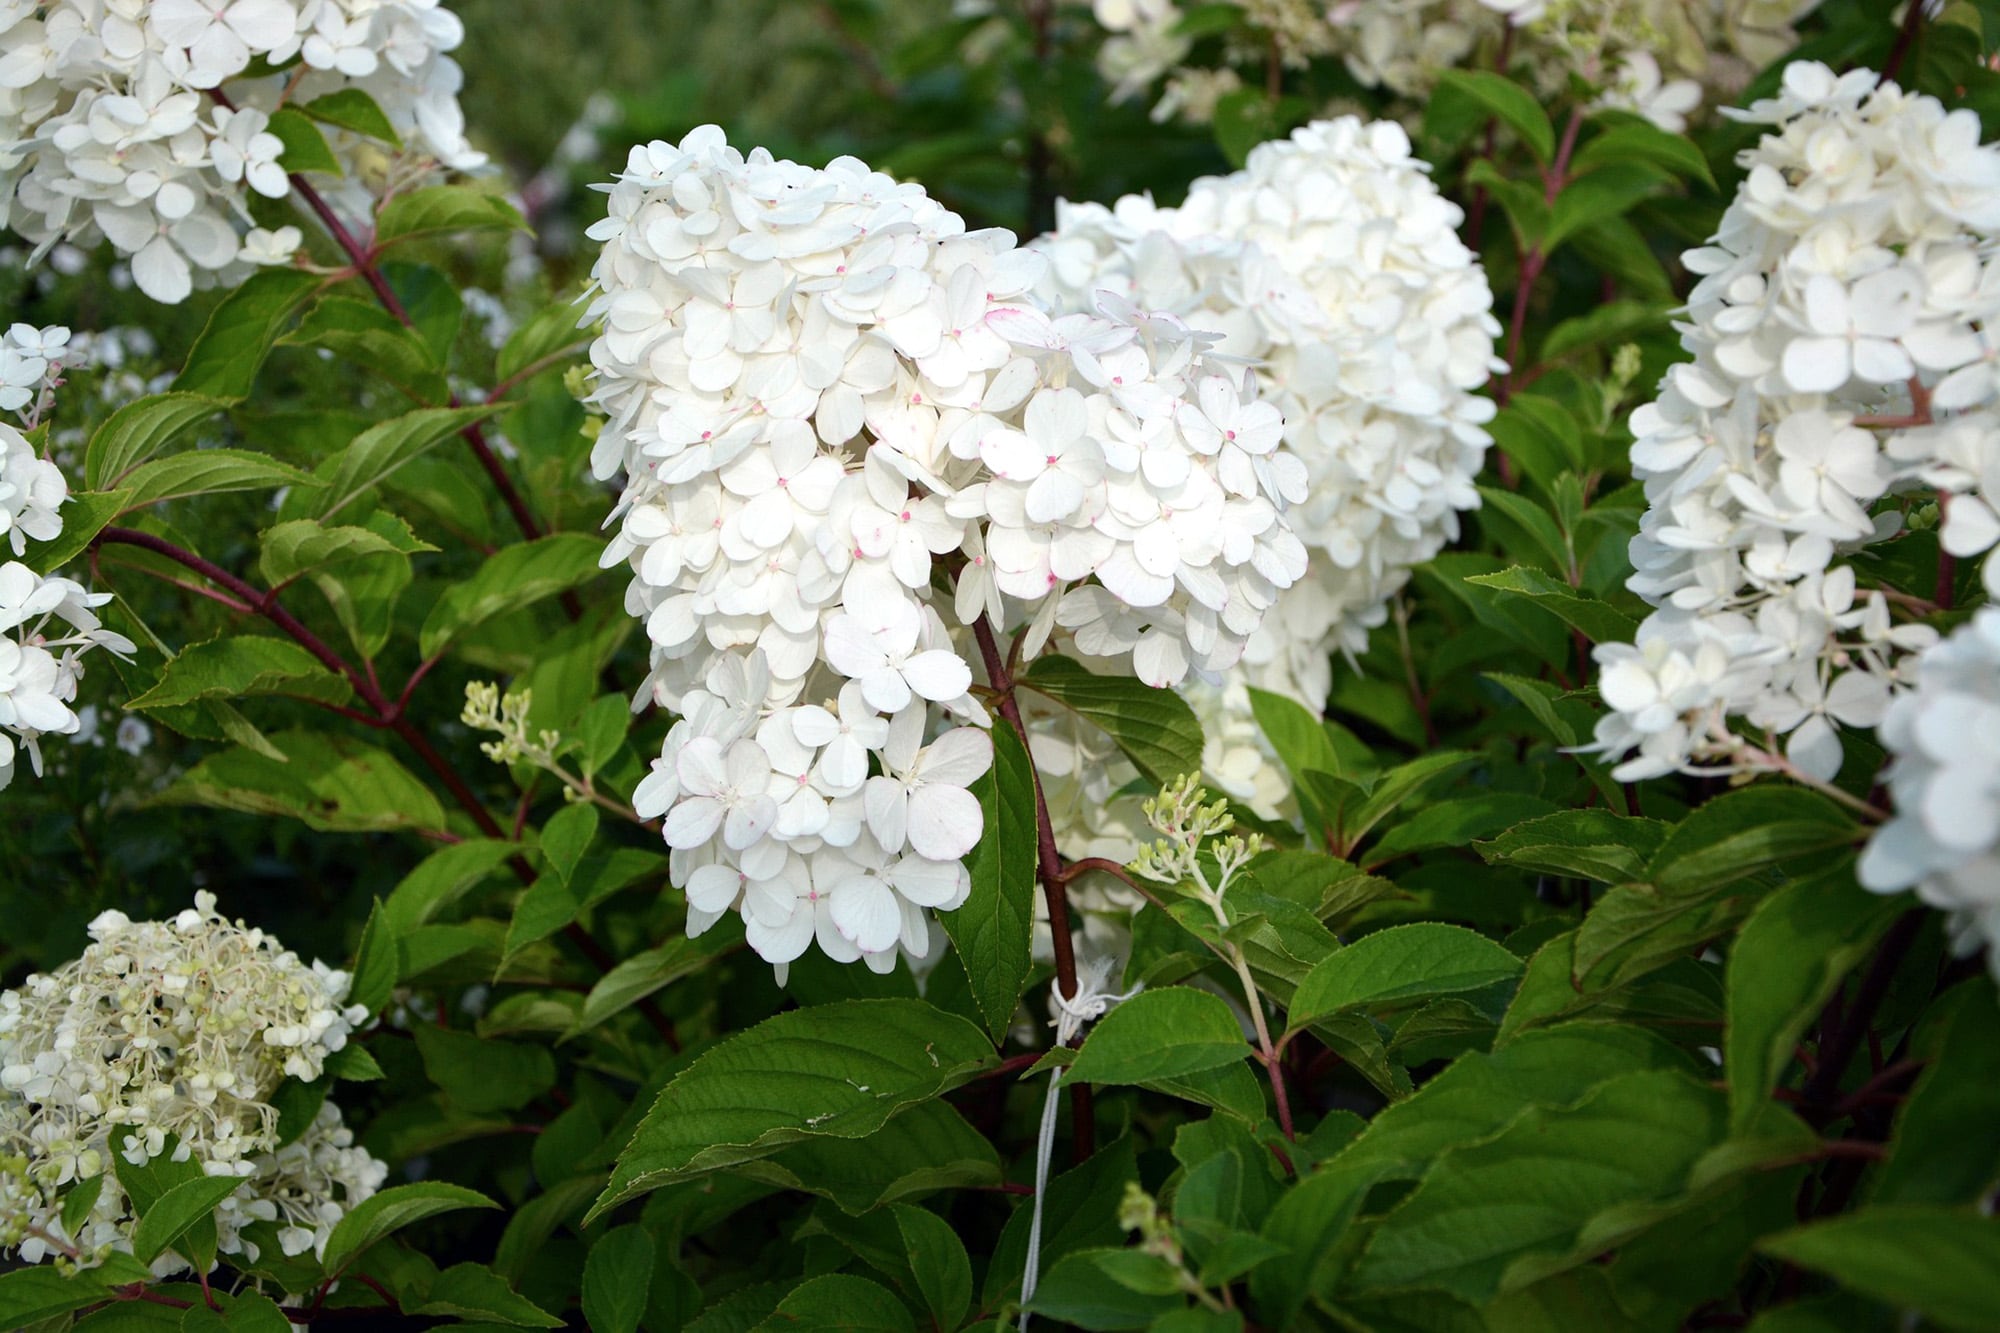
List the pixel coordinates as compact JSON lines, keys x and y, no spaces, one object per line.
{"x":1657,"y":58}
{"x":1944,"y":734}
{"x":850,"y":433}
{"x":1842,"y":353}
{"x":1332,"y":262}
{"x":170,"y":1037}
{"x":148,"y":121}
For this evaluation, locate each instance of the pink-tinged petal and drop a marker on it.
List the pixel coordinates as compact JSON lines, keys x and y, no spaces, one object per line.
{"x":748,"y":821}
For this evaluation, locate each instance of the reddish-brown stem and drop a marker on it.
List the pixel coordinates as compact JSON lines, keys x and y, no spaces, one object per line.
{"x":1906,"y":37}
{"x":1532,"y":262}
{"x":370,"y":271}
{"x":1049,"y":867}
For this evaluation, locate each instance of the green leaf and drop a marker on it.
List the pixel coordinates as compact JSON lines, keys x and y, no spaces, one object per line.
{"x":839,"y":1303}
{"x":208,"y":472}
{"x":1400,"y":964}
{"x":84,"y":517}
{"x":1457,"y":823}
{"x":330,"y":783}
{"x":303,"y":546}
{"x":1946,"y":1148}
{"x":39,"y":1292}
{"x":375,"y":454}
{"x":480,"y":1074}
{"x":138,"y":430}
{"x":1606,"y":326}
{"x":1587,"y":844}
{"x":942,"y":1269}
{"x":617,"y":1277}
{"x":1328,"y":887}
{"x":549,"y":334}
{"x":993,"y":930}
{"x":442,"y":879}
{"x":1635,"y":929}
{"x":1534,"y":523}
{"x":1155,"y":728}
{"x":474,"y":1291}
{"x":171,"y":1216}
{"x":1161,"y":1033}
{"x":241,"y":331}
{"x":298,"y":1104}
{"x":390,"y":1211}
{"x":1495,"y":95}
{"x":80,"y":1199}
{"x":375,"y":962}
{"x":566,"y":837}
{"x":927,"y":1148}
{"x":362,"y":332}
{"x":1740,"y":833}
{"x":240,"y":665}
{"x":442,"y":208}
{"x":1634,"y":139}
{"x":1557,"y":1187}
{"x":1299,"y":738}
{"x":1076,"y":1291}
{"x":512,"y":578}
{"x":643,"y":974}
{"x":352,"y":109}
{"x":1606,"y":194}
{"x":838,"y":1069}
{"x":1600,"y":622}
{"x":1944,"y":1262}
{"x":305,"y":147}
{"x":1785,"y":963}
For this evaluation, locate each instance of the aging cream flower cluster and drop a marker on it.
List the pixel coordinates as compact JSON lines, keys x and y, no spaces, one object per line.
{"x":170,"y":1037}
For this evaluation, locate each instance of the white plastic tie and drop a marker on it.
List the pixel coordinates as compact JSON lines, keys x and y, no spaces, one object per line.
{"x":1090,"y":1003}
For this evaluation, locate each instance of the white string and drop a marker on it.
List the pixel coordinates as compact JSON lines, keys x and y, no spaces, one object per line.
{"x":1090,"y":1004}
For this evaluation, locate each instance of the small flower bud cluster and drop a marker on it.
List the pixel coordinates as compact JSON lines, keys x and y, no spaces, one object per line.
{"x":148,"y":121}
{"x":850,"y":433}
{"x":1188,"y":828}
{"x":1842,"y":356}
{"x":1333,"y":262}
{"x":1943,"y":734}
{"x":170,"y":1037}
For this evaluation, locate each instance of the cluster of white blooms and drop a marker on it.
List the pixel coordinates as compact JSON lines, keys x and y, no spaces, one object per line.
{"x":169,"y":1038}
{"x":1843,"y":371}
{"x":148,"y":121}
{"x":849,"y":433}
{"x":1944,"y":734}
{"x":1658,"y":58}
{"x":1333,"y":263}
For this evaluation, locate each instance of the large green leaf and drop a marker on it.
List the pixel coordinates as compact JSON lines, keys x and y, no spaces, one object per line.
{"x":444,"y":208}
{"x":38,"y":1292}
{"x":839,"y":1303}
{"x":181,"y":1208}
{"x":993,"y":930}
{"x":138,"y":430}
{"x":1158,"y":1034}
{"x":481,"y":1074}
{"x":1588,"y":844}
{"x":928,"y":1148}
{"x":1559,"y":1186}
{"x":1783,"y":967}
{"x":374,"y":455}
{"x":1155,"y":728}
{"x":359,"y":330}
{"x":1943,"y":1262}
{"x":1464,"y":98}
{"x":331,"y":783}
{"x":1401,"y":964}
{"x":353,"y":109}
{"x":225,"y":359}
{"x":1946,"y":1148}
{"x":512,"y":578}
{"x":393,"y":1209}
{"x":1598,"y":621}
{"x":304,"y":546}
{"x":838,"y":1070}
{"x":645,"y":973}
{"x":473,"y":1291}
{"x":209,"y":472}
{"x":444,"y":877}
{"x":617,"y":1275}
{"x":243,"y":664}
{"x":1740,"y":833}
